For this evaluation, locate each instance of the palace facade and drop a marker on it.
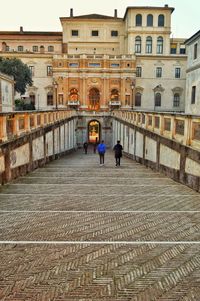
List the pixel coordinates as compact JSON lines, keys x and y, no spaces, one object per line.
{"x":100,"y":63}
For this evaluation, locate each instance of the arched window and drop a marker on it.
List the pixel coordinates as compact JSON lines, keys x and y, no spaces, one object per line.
{"x":73,"y":95}
{"x":42,"y":49}
{"x":161,"y":20}
{"x":150,"y":20}
{"x":157,"y":100}
{"x":49,"y":99}
{"x":159,"y":45}
{"x":176,"y":102}
{"x":149,"y":45}
{"x":50,"y":49}
{"x":114,"y":95}
{"x":138,"y":99}
{"x":138,"y":20}
{"x":94,"y":99}
{"x":138,"y":43}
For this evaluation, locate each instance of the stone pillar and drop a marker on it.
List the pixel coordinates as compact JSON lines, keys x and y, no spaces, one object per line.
{"x":27,"y":122}
{"x":104,"y":93}
{"x":122,"y":92}
{"x":3,"y":129}
{"x":84,"y":92}
{"x":107,"y":90}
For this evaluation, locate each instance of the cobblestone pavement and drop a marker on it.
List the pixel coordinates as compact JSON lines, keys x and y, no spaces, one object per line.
{"x":75,"y":231}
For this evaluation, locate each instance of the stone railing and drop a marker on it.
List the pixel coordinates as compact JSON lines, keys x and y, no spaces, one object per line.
{"x":15,"y":124}
{"x":182,"y":128}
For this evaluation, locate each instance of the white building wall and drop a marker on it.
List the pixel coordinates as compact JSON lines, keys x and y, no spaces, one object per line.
{"x":6,"y":90}
{"x":193,"y":78}
{"x":169,"y":85}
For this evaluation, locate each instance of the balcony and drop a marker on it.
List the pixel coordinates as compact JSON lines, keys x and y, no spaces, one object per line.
{"x":115,"y":103}
{"x":73,"y":103}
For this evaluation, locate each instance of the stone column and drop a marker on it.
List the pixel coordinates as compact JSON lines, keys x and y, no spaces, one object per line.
{"x":104,"y":98}
{"x":122,"y":92}
{"x":84,"y":92}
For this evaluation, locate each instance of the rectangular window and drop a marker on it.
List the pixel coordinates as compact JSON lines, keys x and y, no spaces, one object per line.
{"x":35,"y":48}
{"x":182,"y":49}
{"x":20,"y":48}
{"x":94,"y":65}
{"x":114,"y":65}
{"x":74,"y":65}
{"x":114,"y":33}
{"x":95,"y":33}
{"x":7,"y":48}
{"x":177,"y":72}
{"x":139,"y":72}
{"x":49,"y":99}
{"x":49,"y":70}
{"x":159,"y":72}
{"x":195,"y":51}
{"x":193,"y":96}
{"x":173,"y":48}
{"x":32,"y":70}
{"x":74,"y":33}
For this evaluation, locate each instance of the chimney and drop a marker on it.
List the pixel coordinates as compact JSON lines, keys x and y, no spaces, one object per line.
{"x":166,"y":5}
{"x":21,"y":29}
{"x":71,"y":12}
{"x":115,"y":13}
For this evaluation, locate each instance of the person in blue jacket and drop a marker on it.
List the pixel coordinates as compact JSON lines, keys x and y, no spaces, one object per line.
{"x":101,"y":150}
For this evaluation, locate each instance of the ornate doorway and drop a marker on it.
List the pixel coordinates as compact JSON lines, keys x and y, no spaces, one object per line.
{"x":93,"y":131}
{"x":94,"y":99}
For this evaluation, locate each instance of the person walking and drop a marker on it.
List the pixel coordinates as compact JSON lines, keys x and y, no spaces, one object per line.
{"x":101,"y":150}
{"x":118,"y":152}
{"x":95,"y":145}
{"x":85,"y":146}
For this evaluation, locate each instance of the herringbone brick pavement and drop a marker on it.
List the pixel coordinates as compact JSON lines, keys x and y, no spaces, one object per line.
{"x":75,"y":231}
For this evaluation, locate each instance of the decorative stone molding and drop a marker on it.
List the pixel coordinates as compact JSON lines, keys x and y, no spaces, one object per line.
{"x":139,"y":89}
{"x":158,"y":88}
{"x":177,"y":90}
{"x":32,"y":89}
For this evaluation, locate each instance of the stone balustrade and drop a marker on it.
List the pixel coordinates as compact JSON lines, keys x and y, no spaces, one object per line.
{"x":15,"y":124}
{"x":182,"y":128}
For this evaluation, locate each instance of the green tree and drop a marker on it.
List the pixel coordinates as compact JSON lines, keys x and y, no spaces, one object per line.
{"x":20,"y":72}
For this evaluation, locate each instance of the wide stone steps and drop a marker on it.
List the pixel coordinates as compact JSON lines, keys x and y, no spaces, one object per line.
{"x":75,"y":231}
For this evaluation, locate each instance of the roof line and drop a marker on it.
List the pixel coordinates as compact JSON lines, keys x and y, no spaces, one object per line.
{"x":193,"y":37}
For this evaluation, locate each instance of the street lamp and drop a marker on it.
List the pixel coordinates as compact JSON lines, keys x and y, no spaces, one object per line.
{"x":56,"y":89}
{"x":132,"y":85}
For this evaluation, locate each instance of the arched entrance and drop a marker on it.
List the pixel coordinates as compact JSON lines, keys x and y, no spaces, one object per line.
{"x":94,"y":99}
{"x":94,"y":131}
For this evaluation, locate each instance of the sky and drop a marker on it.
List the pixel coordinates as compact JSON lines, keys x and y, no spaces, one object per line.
{"x":43,"y":15}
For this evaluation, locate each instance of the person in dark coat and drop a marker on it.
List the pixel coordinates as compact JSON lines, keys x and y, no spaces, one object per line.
{"x":118,"y":152}
{"x":85,"y":146}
